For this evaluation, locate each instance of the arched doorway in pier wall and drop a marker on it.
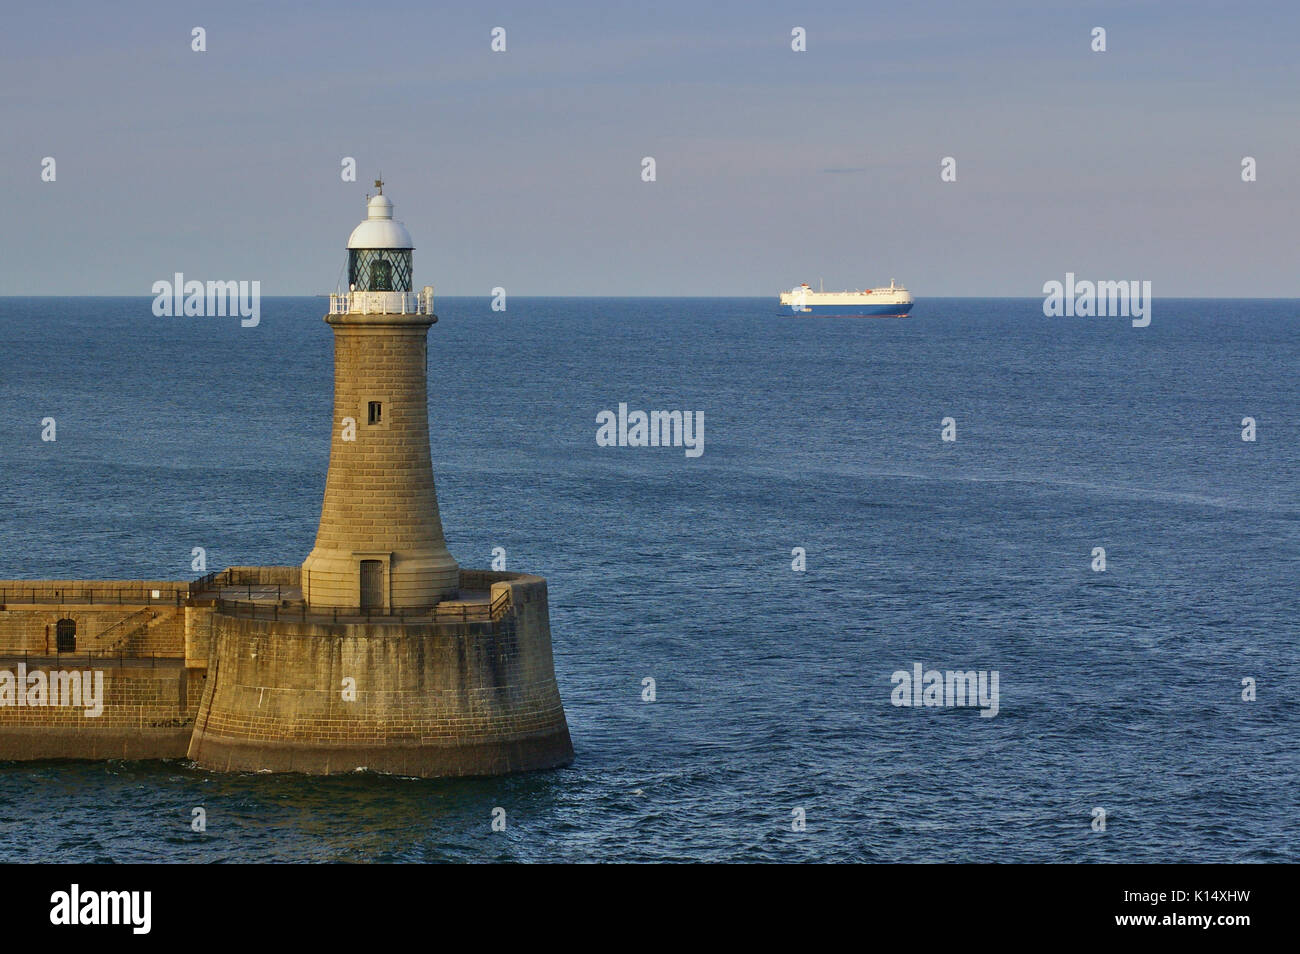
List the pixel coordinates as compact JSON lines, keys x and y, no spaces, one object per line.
{"x":65,"y":636}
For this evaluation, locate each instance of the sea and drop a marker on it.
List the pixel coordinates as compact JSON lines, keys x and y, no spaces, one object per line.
{"x":767,"y":590}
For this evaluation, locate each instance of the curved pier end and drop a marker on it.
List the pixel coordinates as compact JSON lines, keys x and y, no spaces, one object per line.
{"x":469,"y":690}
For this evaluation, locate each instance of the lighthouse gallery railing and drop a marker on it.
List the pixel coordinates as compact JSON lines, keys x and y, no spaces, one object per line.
{"x":382,"y":303}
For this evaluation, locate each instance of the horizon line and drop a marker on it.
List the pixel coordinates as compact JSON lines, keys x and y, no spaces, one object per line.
{"x":765,"y":297}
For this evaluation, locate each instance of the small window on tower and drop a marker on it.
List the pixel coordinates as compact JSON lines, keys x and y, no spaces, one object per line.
{"x":376,"y":412}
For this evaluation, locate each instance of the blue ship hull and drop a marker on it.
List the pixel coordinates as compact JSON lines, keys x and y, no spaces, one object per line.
{"x":853,"y":311}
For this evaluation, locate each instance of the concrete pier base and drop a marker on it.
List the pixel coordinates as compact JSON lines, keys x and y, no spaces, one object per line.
{"x":37,"y":743}
{"x":447,"y":697}
{"x":500,"y":756}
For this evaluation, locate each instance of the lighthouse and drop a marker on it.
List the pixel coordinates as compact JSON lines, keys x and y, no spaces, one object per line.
{"x":380,"y":544}
{"x":379,"y":653}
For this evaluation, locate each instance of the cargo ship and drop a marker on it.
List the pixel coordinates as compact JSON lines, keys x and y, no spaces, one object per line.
{"x":892,"y":302}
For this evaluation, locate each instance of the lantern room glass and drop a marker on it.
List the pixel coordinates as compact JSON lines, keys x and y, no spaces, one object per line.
{"x":379,"y":269}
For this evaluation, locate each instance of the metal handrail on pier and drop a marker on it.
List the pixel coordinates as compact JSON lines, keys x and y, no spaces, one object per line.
{"x":95,"y":596}
{"x":487,"y":612}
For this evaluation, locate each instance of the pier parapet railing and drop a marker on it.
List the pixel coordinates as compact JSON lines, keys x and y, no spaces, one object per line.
{"x":266,"y":598}
{"x":20,"y":592}
{"x":205,"y":583}
{"x":37,"y":593}
{"x":448,"y":611}
{"x":260,"y":577}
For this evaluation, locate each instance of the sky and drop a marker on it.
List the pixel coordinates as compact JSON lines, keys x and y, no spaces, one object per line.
{"x":523,"y":169}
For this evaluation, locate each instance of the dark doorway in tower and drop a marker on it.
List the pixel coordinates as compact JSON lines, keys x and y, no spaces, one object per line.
{"x":381,"y":275}
{"x":65,"y":636}
{"x":372,"y":584}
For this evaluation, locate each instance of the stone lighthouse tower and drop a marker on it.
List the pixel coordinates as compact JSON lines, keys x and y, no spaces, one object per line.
{"x":380,"y":653}
{"x":380,"y":545}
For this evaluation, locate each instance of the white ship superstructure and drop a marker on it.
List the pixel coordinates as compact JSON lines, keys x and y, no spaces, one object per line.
{"x":894,"y":301}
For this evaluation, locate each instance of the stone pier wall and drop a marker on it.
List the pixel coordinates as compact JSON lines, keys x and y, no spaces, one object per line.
{"x":122,"y":616}
{"x":147,"y":711}
{"x":444,"y":699}
{"x":148,"y":697}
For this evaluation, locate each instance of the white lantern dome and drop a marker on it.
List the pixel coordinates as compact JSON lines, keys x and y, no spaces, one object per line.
{"x":380,"y":229}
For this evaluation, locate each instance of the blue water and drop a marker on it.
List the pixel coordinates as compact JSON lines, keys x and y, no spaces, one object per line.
{"x":1119,"y":690}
